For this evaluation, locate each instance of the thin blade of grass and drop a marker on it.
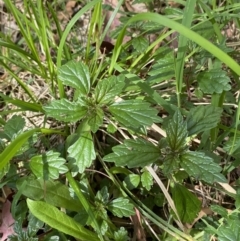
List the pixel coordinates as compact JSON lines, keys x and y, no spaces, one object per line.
{"x":182,"y":46}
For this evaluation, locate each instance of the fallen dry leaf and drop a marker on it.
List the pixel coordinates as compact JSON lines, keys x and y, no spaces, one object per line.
{"x":7,"y":221}
{"x":136,"y":8}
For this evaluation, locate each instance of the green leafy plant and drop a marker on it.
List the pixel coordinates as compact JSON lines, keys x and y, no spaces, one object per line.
{"x":129,"y":130}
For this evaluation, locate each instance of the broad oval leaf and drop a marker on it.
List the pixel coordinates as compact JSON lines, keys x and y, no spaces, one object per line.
{"x":134,"y":113}
{"x":201,"y":167}
{"x":76,"y":75}
{"x":176,"y":132}
{"x":65,"y":110}
{"x":48,"y":165}
{"x":214,"y":81}
{"x":60,"y":221}
{"x":83,"y":151}
{"x":134,"y":153}
{"x":203,"y":118}
{"x":54,"y":193}
{"x":121,"y":207}
{"x":188,"y":205}
{"x":132,"y":181}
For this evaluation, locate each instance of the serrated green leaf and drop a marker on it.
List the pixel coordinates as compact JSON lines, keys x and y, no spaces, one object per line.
{"x":95,"y":119}
{"x":65,"y":110}
{"x":214,"y":81}
{"x":83,"y":151}
{"x":59,"y":220}
{"x":133,"y":113}
{"x":163,"y":68}
{"x":76,"y":75}
{"x":54,"y":193}
{"x":177,"y":133}
{"x":132,"y":181}
{"x":230,"y":231}
{"x":121,"y":235}
{"x":13,"y":127}
{"x":188,"y":206}
{"x":107,"y":89}
{"x":201,"y":167}
{"x":147,"y":180}
{"x":202,"y":118}
{"x":48,"y":165}
{"x":140,"y":44}
{"x":121,"y":207}
{"x":134,"y":153}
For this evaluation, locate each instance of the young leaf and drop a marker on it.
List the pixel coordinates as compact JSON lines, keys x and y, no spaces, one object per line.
{"x":60,"y":221}
{"x":170,"y":164}
{"x":202,"y":118}
{"x":13,"y":127}
{"x":48,"y":165}
{"x":76,"y":75}
{"x":133,"y":113}
{"x":214,"y":81}
{"x":83,"y":151}
{"x":95,"y":119}
{"x":176,"y":132}
{"x":121,"y":235}
{"x":121,"y":207}
{"x":54,"y":192}
{"x":132,"y":181}
{"x":107,"y":89}
{"x":134,"y":153}
{"x":201,"y":167}
{"x":188,"y":206}
{"x":147,"y":180}
{"x":65,"y":110}
{"x":103,"y":195}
